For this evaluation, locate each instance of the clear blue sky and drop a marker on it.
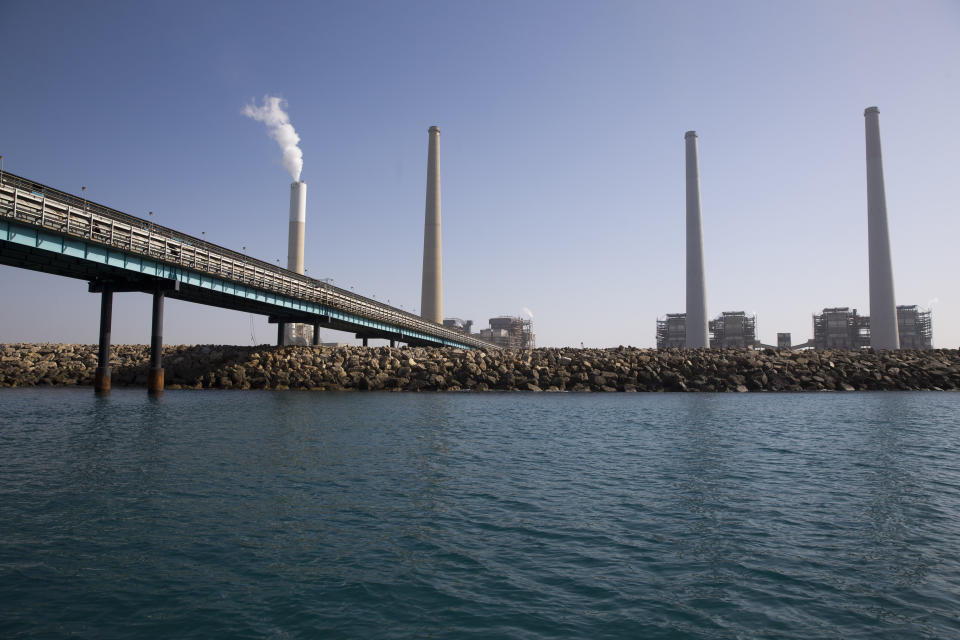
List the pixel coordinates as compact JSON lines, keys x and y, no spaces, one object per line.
{"x":561,"y":152}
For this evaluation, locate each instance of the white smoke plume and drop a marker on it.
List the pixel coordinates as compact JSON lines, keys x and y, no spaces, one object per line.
{"x":528,"y":312}
{"x":280,"y":129}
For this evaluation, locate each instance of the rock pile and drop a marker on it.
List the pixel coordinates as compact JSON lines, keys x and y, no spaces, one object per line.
{"x":422,"y":369}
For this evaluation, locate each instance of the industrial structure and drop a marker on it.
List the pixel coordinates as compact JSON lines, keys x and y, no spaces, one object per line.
{"x":833,"y":328}
{"x":466,"y":326}
{"x":840,"y":328}
{"x":296,"y":333}
{"x":883,"y":313}
{"x":733,"y":329}
{"x":47,"y":230}
{"x":843,"y":328}
{"x":672,"y":331}
{"x":431,"y":293}
{"x":915,"y":327}
{"x":697,"y":329}
{"x":510,"y":332}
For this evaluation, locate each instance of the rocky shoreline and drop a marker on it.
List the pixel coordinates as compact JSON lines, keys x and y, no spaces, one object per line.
{"x":423,"y":369}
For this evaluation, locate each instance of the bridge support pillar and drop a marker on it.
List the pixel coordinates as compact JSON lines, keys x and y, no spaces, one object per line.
{"x":393,"y":343}
{"x":155,"y":379}
{"x":281,"y":334}
{"x":316,"y":334}
{"x":101,"y":381}
{"x":365,"y":341}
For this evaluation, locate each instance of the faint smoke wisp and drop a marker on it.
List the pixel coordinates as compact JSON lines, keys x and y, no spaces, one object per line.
{"x":528,"y":313}
{"x":280,"y":129}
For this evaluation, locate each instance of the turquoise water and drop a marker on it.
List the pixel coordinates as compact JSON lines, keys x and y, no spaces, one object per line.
{"x":283,"y":514}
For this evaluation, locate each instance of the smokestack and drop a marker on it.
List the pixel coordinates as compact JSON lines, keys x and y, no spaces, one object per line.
{"x":697,"y":327}
{"x":431,"y":296}
{"x":883,"y":309}
{"x":298,"y":219}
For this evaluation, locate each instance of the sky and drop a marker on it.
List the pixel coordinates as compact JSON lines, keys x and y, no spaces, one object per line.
{"x":561,"y":153}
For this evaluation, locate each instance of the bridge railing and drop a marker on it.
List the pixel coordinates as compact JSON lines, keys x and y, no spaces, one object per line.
{"x":41,"y":206}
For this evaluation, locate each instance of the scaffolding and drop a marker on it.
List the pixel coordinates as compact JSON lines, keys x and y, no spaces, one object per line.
{"x":510,"y":332}
{"x":840,"y":328}
{"x":733,"y":329}
{"x":915,"y":327}
{"x":672,"y":331}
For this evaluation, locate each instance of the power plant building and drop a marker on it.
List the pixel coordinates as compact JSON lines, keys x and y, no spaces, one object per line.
{"x":840,"y":328}
{"x":915,"y":327}
{"x":465,"y":326}
{"x":843,"y":328}
{"x":510,"y":332}
{"x":672,"y":331}
{"x":733,"y":330}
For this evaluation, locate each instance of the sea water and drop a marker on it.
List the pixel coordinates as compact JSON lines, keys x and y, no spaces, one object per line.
{"x":249,"y":514}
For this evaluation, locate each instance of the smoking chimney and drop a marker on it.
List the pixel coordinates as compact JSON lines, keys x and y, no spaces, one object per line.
{"x":431,"y":296}
{"x":883,"y":310}
{"x":697,"y":327}
{"x":298,"y":219}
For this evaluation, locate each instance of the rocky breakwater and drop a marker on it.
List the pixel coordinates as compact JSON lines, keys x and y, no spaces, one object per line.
{"x":421,"y":369}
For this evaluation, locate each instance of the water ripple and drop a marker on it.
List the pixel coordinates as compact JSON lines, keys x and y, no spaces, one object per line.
{"x":287,"y":515}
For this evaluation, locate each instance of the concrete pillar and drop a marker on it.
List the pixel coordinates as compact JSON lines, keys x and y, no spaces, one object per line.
{"x":281,"y":334}
{"x":101,"y":381}
{"x":697,"y":327}
{"x":155,"y":378}
{"x":884,"y":333}
{"x":393,"y":343}
{"x":431,"y":296}
{"x":316,"y":334}
{"x":365,"y":342}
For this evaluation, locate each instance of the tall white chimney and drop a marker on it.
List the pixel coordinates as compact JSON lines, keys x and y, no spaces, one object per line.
{"x":698,"y":335}
{"x":883,"y":310}
{"x":298,"y":220}
{"x":296,"y":333}
{"x":431,"y":295}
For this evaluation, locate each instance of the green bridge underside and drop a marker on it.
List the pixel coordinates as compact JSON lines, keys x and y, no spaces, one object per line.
{"x":38,"y":249}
